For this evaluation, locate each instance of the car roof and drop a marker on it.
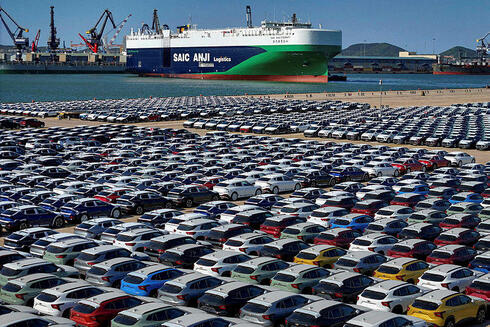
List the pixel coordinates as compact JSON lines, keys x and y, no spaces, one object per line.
{"x":71,"y":242}
{"x":150,"y":269}
{"x":107,"y":264}
{"x":255,"y":262}
{"x":411,"y":241}
{"x":105,"y":297}
{"x":436,"y":296}
{"x":271,"y":297}
{"x":444,"y":269}
{"x":138,"y":231}
{"x":220,"y":254}
{"x":373,"y":236}
{"x":67,"y":287}
{"x":455,"y":231}
{"x":450,"y":247}
{"x":101,"y":249}
{"x":357,"y":254}
{"x":372,"y":318}
{"x":295,"y":269}
{"x":24,"y":263}
{"x":31,"y":277}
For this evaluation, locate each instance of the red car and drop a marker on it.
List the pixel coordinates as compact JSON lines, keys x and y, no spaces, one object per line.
{"x":412,"y":248}
{"x":479,"y":289}
{"x":434,"y":162}
{"x":31,"y":123}
{"x":460,"y":220}
{"x":341,"y":237}
{"x":275,"y":225}
{"x":368,"y":207}
{"x":461,"y":236}
{"x":406,"y":165}
{"x":297,"y":157}
{"x":209,"y":182}
{"x":99,"y":310}
{"x":453,"y":254}
{"x":407,"y":199}
{"x":111,"y":195}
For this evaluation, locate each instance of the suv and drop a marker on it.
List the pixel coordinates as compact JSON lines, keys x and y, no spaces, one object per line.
{"x":344,"y":286}
{"x":448,"y":276}
{"x":136,"y":239}
{"x":23,"y":239}
{"x":83,"y":209}
{"x":111,"y":272}
{"x":150,"y":315}
{"x":25,"y":267}
{"x":20,"y":218}
{"x":258,"y":270}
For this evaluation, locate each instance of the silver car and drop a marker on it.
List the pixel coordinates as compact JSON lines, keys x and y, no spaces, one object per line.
{"x":111,"y":272}
{"x":364,"y":262}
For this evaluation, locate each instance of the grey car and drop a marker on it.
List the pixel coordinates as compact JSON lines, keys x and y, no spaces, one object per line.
{"x":388,"y":226}
{"x":111,"y":272}
{"x":87,"y":258}
{"x":14,"y":319}
{"x":111,"y":233}
{"x":201,"y":319}
{"x":434,"y":204}
{"x":40,"y":246}
{"x":272,"y":308}
{"x":150,"y":315}
{"x":93,"y":228}
{"x":364,"y":262}
{"x":186,"y":289}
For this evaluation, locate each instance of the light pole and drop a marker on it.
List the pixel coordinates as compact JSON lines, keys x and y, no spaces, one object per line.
{"x":364,"y":48}
{"x":434,"y":46}
{"x":380,"y":92}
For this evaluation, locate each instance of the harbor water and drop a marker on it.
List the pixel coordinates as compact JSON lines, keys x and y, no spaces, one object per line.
{"x":53,"y":87}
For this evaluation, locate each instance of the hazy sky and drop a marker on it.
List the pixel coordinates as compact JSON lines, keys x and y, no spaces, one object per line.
{"x":410,"y":24}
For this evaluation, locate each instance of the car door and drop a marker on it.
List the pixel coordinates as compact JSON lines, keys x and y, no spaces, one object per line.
{"x":44,"y":217}
{"x":31,"y":216}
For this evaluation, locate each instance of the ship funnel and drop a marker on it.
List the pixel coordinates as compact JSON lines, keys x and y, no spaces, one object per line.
{"x":249,"y":17}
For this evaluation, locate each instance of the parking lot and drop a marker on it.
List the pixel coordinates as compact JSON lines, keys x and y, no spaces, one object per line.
{"x":292,"y":194}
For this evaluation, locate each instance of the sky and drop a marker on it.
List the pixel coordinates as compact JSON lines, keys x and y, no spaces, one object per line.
{"x":415,"y":25}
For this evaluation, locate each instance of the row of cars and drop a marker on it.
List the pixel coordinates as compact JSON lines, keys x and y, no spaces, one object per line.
{"x":7,"y":122}
{"x":251,"y":245}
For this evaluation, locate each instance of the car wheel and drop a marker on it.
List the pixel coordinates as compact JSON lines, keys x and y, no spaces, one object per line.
{"x":481,"y":315}
{"x":398,"y":309}
{"x":460,"y":163}
{"x":434,"y":166}
{"x":275,"y":190}
{"x":168,"y":205}
{"x":265,"y":282}
{"x":313,"y":184}
{"x":297,"y":187}
{"x":449,"y":323}
{"x":348,"y":179}
{"x":116,"y":213}
{"x":139,"y":210}
{"x":396,"y":173}
{"x":473,"y":160}
{"x":215,"y":198}
{"x":456,"y":289}
{"x":189,"y":203}
{"x":83,"y":218}
{"x":234,"y":196}
{"x":58,"y":222}
{"x":66,"y":313}
{"x":258,"y":192}
{"x":380,"y":174}
{"x":365,"y":178}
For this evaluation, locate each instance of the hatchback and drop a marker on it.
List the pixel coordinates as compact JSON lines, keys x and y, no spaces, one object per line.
{"x":150,"y":315}
{"x":111,"y":272}
{"x":146,"y":281}
{"x":344,"y":286}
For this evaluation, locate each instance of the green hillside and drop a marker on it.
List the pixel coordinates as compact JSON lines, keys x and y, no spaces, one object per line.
{"x":372,"y":50}
{"x":458,"y":52}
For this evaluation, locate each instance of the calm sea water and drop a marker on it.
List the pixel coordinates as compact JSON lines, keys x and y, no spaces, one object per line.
{"x":25,"y":88}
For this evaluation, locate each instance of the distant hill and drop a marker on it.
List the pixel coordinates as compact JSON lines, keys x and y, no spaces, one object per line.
{"x":372,"y":50}
{"x":459,"y":51}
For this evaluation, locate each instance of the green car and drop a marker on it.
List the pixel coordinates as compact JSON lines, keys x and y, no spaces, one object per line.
{"x":303,"y":231}
{"x":258,"y":270}
{"x":299,"y":278}
{"x":31,"y":266}
{"x":484,"y":214}
{"x":66,"y":251}
{"x":24,"y":289}
{"x":150,"y":315}
{"x":465,"y":207}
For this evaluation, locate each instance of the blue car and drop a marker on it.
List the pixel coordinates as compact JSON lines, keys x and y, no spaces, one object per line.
{"x":265,"y":201}
{"x":466,"y":197}
{"x":214,"y":208}
{"x":16,"y":193}
{"x":348,"y":173}
{"x":4,"y":205}
{"x":481,"y":263}
{"x":86,"y":208}
{"x":54,"y":203}
{"x":147,"y":281}
{"x":22,"y":217}
{"x":418,"y":188}
{"x":352,"y":221}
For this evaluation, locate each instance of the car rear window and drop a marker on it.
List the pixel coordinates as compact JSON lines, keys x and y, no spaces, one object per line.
{"x":97,"y":271}
{"x":284,"y":277}
{"x":306,"y":255}
{"x":433,"y":277}
{"x":243,"y":270}
{"x":341,"y":222}
{"x":440,"y":254}
{"x":125,"y":320}
{"x":45,"y":297}
{"x":289,"y":209}
{"x":84,"y":308}
{"x":401,"y":248}
{"x":6,"y":271}
{"x":361,"y":242}
{"x":291,"y":231}
{"x":373,"y":295}
{"x":346,"y":262}
{"x":87,"y":256}
{"x":425,"y":305}
{"x":255,"y":308}
{"x":55,"y":249}
{"x":205,"y":262}
{"x":480,"y":285}
{"x":449,"y":238}
{"x":388,"y":270}
{"x":131,"y":279}
{"x":125,"y":238}
{"x":10,"y":287}
{"x":170,"y":288}
{"x":375,"y":227}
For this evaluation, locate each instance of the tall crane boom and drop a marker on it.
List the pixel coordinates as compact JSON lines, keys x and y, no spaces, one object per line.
{"x":119,"y":30}
{"x":17,"y":37}
{"x":35,"y":42}
{"x":95,"y":41}
{"x":53,"y":42}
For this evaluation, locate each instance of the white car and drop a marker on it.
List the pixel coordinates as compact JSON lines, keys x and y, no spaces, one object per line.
{"x":171,"y":225}
{"x":251,"y":176}
{"x":322,"y":216}
{"x":220,"y":263}
{"x":390,"y":295}
{"x":452,"y":277}
{"x":302,"y":210}
{"x":371,"y":188}
{"x":381,"y":319}
{"x":277,"y":183}
{"x":59,"y":300}
{"x":376,"y":242}
{"x":394,"y":211}
{"x":332,"y":194}
{"x":137,"y":239}
{"x":231,"y":213}
{"x":459,"y":158}
{"x":249,"y":243}
{"x":236,"y":188}
{"x":197,"y":228}
{"x":380,"y":169}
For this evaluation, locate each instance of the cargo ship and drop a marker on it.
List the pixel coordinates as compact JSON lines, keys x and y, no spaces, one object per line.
{"x":275,"y":51}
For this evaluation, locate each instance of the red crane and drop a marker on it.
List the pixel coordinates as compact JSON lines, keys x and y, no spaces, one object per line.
{"x":35,"y":42}
{"x":95,"y":41}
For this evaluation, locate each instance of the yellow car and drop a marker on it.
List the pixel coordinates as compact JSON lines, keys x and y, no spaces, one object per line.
{"x":320,"y":255}
{"x":445,"y":308}
{"x":404,"y":269}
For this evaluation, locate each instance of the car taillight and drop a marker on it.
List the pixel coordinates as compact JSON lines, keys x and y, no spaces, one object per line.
{"x":295,"y":286}
{"x":386,"y":304}
{"x":339,"y":295}
{"x":190,"y":233}
{"x":300,"y":237}
{"x":55,"y":306}
{"x":215,"y":270}
{"x":242,"y":249}
{"x":371,"y":249}
{"x":357,"y":270}
{"x":316,"y":263}
{"x":446,"y":285}
{"x":439,"y":314}
{"x":222,"y":307}
{"x":181,"y":297}
{"x":143,"y":288}
{"x":20,"y":296}
{"x":161,"y":251}
{"x":94,"y":318}
{"x":105,"y":278}
{"x":130,"y":244}
{"x":91,"y":263}
{"x":178,"y":262}
{"x":61,"y":256}
{"x":253,"y":277}
{"x":266,"y":317}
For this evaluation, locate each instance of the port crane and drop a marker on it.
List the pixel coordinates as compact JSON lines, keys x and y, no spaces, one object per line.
{"x":35,"y":42}
{"x":20,"y":41}
{"x":95,"y":41}
{"x":111,"y":41}
{"x":53,"y":41}
{"x":482,"y":48}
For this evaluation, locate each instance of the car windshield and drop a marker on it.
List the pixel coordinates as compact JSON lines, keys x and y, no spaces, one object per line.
{"x":233,"y":243}
{"x":291,"y":231}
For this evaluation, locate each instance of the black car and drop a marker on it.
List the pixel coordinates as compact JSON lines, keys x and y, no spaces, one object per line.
{"x":424,"y":231}
{"x":344,"y":286}
{"x":227,"y":299}
{"x":184,"y":256}
{"x":285,"y":249}
{"x":312,"y":178}
{"x":322,"y":314}
{"x":252,"y":218}
{"x":139,"y":202}
{"x":190,"y":195}
{"x":23,"y":239}
{"x":219,"y":235}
